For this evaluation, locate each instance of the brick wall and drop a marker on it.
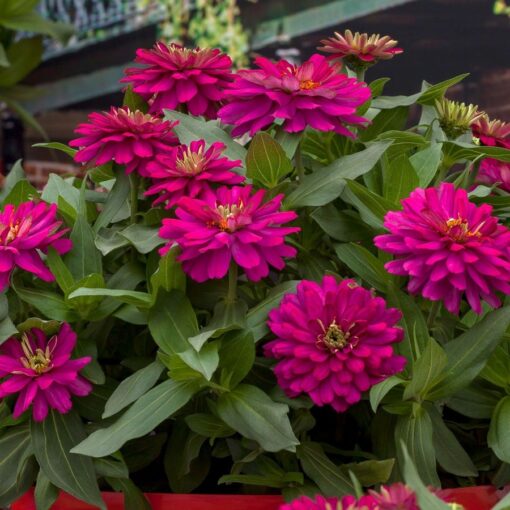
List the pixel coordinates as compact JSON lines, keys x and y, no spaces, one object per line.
{"x":38,"y":171}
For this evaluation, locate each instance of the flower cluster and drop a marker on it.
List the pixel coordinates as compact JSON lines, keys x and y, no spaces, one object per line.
{"x":334,"y":341}
{"x":449,"y":247}
{"x":41,"y":370}
{"x":314,"y":94}
{"x":26,"y":230}
{"x":173,"y":76}
{"x":231,"y":224}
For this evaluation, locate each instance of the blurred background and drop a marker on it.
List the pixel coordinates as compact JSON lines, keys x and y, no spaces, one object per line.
{"x":73,"y":67}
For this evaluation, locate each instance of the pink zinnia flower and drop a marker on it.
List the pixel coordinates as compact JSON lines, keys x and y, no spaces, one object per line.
{"x":314,"y":94}
{"x":360,"y":50}
{"x":124,"y":137}
{"x":448,"y":247}
{"x":334,"y":340}
{"x":306,"y":503}
{"x":492,"y":172}
{"x":366,"y":502}
{"x":41,"y":371}
{"x":395,"y":497}
{"x":191,"y":171}
{"x":25,"y":229}
{"x":172,"y":75}
{"x":230,"y":224}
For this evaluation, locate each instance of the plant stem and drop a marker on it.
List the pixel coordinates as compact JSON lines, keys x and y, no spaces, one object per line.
{"x":434,"y":309}
{"x":298,"y":162}
{"x":134,"y":181}
{"x":360,"y":74}
{"x":232,"y":283}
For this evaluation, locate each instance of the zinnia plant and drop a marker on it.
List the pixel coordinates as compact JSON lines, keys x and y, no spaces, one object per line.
{"x":267,"y":280}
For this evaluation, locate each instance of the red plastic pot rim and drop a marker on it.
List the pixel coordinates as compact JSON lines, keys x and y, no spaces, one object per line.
{"x":471,"y":498}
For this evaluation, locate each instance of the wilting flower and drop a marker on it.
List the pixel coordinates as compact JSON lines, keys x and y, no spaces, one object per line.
{"x":172,"y":75}
{"x":41,"y":371}
{"x":360,"y":50}
{"x":493,"y":133}
{"x":230,"y":224}
{"x":191,"y":171}
{"x":456,"y":118}
{"x":314,"y":94}
{"x":448,"y":247}
{"x":25,"y":229}
{"x":395,"y":497}
{"x":124,"y":137}
{"x":334,"y":340}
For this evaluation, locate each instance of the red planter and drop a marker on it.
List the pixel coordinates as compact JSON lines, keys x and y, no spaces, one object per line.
{"x":471,"y":498}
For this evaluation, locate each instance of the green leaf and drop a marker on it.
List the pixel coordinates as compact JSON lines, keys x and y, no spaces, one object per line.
{"x":45,"y":493}
{"x":426,"y":499}
{"x":253,"y":414}
{"x":326,"y":184}
{"x":399,"y":179}
{"x":24,"y":56}
{"x":132,"y":297}
{"x":377,"y":86}
{"x":191,"y":128}
{"x":208,"y":425}
{"x":205,"y":361}
{"x":62,"y":147}
{"x":343,"y":226}
{"x":23,"y":191}
{"x":51,"y":305}
{"x":14,"y":449}
{"x":371,"y":472}
{"x":266,"y":161}
{"x":475,"y":402}
{"x":426,"y":163}
{"x":237,"y":355}
{"x":415,"y":432}
{"x":70,"y":472}
{"x":4,"y":60}
{"x":113,"y":467}
{"x":132,"y":388}
{"x":134,"y":101}
{"x":7,"y":328}
{"x":62,"y":275}
{"x":436,"y":91}
{"x":169,"y":274}
{"x":455,"y":151}
{"x":368,"y":267}
{"x":415,"y":326}
{"x":499,"y":432}
{"x":497,"y":368}
{"x":274,"y":481}
{"x":256,"y":319}
{"x":13,"y":177}
{"x":379,"y":391}
{"x":56,"y":187}
{"x":134,"y":498}
{"x":427,"y":370}
{"x":172,"y":321}
{"x":317,"y":466}
{"x":117,"y":198}
{"x":387,"y":120}
{"x":84,"y":258}
{"x":449,"y":452}
{"x":35,"y":23}
{"x":467,"y":355}
{"x":143,"y":238}
{"x":141,"y":418}
{"x":288,"y":142}
{"x":371,"y":207}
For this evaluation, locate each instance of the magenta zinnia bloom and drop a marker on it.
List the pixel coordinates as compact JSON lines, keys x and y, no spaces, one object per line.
{"x":448,"y":247}
{"x":124,"y":137}
{"x":360,"y":50}
{"x":172,"y":75}
{"x":191,"y":171}
{"x":25,"y":229}
{"x":306,"y":503}
{"x":41,"y":370}
{"x":395,"y":497}
{"x":334,"y":340}
{"x":314,"y":94}
{"x":230,"y":224}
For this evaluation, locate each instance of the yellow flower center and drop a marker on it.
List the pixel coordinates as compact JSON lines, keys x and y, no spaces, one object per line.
{"x":38,"y":360}
{"x":458,"y":229}
{"x":192,"y":162}
{"x":228,"y":214}
{"x":334,"y":338}
{"x":308,"y":84}
{"x":16,"y":228}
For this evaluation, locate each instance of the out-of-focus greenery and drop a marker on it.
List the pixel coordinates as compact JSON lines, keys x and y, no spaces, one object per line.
{"x":21,"y":55}
{"x":210,"y":23}
{"x":501,"y":7}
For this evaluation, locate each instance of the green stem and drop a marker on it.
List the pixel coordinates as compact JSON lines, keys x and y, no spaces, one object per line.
{"x":443,"y":170}
{"x":298,"y":162}
{"x":134,"y":181}
{"x":232,"y":283}
{"x":360,"y":74}
{"x":434,"y":310}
